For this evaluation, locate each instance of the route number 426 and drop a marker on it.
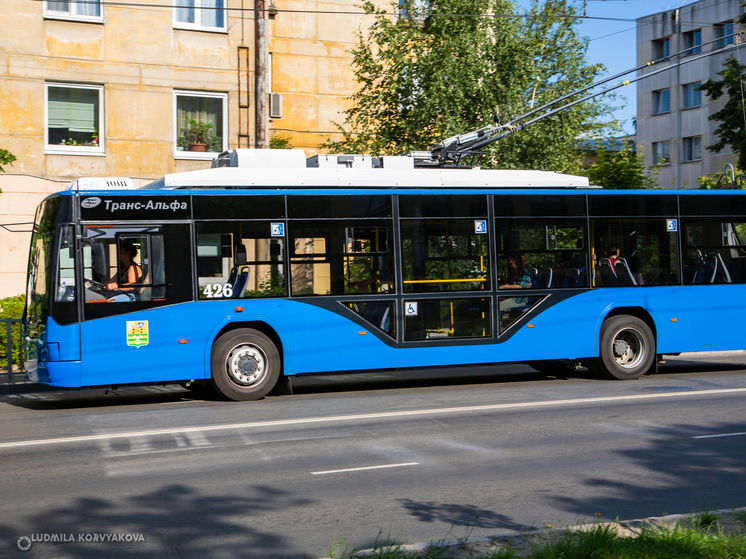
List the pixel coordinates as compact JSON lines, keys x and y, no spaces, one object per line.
{"x":218,"y":291}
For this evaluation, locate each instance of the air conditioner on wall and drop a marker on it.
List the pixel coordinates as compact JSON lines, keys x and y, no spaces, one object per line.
{"x":275,"y":105}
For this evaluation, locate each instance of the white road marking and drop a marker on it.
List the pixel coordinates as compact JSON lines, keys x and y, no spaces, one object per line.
{"x":368,"y":416}
{"x":365,"y":468}
{"x":720,"y":435}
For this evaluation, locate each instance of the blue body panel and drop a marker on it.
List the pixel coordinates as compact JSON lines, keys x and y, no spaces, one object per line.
{"x":317,"y":340}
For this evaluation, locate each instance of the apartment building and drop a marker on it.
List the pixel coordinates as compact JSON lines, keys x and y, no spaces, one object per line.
{"x":143,"y":88}
{"x":673,"y":126}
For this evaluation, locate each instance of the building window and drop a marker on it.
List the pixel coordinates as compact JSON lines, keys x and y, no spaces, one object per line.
{"x":661,"y":48}
{"x":692,"y":95}
{"x":200,"y":124}
{"x":693,"y":42}
{"x":693,"y":148}
{"x":661,"y":101}
{"x":74,"y":117}
{"x":200,"y":14}
{"x":661,"y":153}
{"x":721,"y":34}
{"x":89,"y":10}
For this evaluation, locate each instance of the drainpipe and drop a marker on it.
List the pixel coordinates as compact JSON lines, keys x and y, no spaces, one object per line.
{"x":260,"y":61}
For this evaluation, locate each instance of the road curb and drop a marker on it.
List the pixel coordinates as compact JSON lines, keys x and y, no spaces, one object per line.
{"x":523,"y":542}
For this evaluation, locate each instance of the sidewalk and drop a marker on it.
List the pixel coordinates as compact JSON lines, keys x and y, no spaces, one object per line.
{"x":522,"y":543}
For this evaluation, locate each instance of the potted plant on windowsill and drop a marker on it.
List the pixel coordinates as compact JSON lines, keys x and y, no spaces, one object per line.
{"x":198,"y":135}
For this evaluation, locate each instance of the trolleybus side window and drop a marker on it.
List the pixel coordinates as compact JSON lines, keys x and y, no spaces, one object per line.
{"x":634,"y":252}
{"x":714,"y":252}
{"x":444,"y":243}
{"x":123,"y":264}
{"x":339,"y":257}
{"x":240,"y":259}
{"x":554,"y":255}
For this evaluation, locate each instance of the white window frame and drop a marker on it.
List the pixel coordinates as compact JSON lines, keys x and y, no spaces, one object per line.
{"x":70,"y":16}
{"x":62,"y":149}
{"x":197,"y":25}
{"x":196,"y":154}
{"x":689,"y":152}
{"x":660,"y":160}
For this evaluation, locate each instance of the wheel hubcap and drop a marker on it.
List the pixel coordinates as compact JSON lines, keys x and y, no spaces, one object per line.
{"x":629,"y":348}
{"x":246,"y":365}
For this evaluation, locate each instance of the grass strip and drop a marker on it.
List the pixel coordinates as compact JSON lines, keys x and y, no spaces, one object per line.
{"x":703,"y":536}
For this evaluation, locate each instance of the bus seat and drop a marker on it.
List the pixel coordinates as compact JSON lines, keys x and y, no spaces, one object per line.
{"x":572,"y":279}
{"x":692,"y":266}
{"x":534,"y":273}
{"x":545,"y":279}
{"x":241,"y":281}
{"x":608,"y":274}
{"x":623,"y":273}
{"x":707,"y":271}
{"x":377,"y":313}
{"x":722,"y":275}
{"x":232,"y":277}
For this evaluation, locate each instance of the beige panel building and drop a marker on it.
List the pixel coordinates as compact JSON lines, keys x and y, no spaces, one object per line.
{"x":141,"y":90}
{"x":672,"y":117}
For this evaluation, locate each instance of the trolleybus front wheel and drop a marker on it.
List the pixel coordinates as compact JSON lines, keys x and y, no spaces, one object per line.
{"x":627,"y":348}
{"x":245,"y":364}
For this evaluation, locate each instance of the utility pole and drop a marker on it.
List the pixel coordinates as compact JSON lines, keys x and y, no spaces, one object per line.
{"x":260,"y":68}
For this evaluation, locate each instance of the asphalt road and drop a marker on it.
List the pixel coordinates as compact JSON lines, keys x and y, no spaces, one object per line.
{"x":418,"y":456}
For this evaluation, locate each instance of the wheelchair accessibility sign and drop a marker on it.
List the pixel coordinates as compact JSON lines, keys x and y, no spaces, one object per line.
{"x":278,"y":229}
{"x":410,"y":309}
{"x":480,"y":226}
{"x":672,"y":225}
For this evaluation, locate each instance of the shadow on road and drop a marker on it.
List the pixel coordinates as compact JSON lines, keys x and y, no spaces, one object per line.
{"x":459,"y":515}
{"x":175,"y":521}
{"x":678,"y":467}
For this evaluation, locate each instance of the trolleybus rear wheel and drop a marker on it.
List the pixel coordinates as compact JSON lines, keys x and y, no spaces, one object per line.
{"x":245,"y":364}
{"x":627,"y":348}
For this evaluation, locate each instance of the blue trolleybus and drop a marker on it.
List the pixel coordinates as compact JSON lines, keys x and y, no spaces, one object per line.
{"x":271,"y":265}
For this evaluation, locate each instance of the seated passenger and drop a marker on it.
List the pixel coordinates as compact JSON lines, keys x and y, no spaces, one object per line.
{"x":130,"y":273}
{"x":519,"y":277}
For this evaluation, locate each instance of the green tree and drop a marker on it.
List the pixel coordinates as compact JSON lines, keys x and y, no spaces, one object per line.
{"x":426,"y":78}
{"x":731,"y":117}
{"x":6,"y":158}
{"x":623,"y":169}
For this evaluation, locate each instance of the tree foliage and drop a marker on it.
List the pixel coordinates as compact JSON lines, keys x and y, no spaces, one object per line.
{"x":423,"y":79}
{"x":731,"y":131}
{"x":623,"y":169}
{"x":6,"y":158}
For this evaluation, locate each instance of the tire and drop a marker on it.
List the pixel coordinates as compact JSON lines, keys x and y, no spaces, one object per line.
{"x":627,"y":348}
{"x":245,"y":365}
